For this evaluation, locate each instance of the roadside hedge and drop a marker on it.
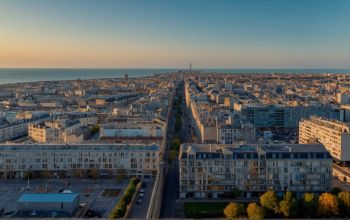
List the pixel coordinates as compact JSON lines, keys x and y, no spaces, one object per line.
{"x":120,"y":209}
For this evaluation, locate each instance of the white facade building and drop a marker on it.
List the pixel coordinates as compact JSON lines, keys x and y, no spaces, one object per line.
{"x":58,"y":131}
{"x":19,"y":127}
{"x":211,"y":171}
{"x":334,"y":135}
{"x":106,"y":160}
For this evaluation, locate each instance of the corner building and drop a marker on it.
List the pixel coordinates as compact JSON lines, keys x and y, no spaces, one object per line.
{"x":212,"y":171}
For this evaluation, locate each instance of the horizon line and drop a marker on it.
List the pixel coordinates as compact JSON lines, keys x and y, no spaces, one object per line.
{"x":174,"y":68}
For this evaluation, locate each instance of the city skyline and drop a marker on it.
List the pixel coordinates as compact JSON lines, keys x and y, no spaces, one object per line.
{"x":153,"y":109}
{"x":154,"y":34}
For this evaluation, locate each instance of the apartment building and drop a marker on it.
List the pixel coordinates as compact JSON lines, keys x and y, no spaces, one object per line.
{"x":58,"y":160}
{"x":131,"y":134}
{"x":203,"y":123}
{"x":236,"y":130}
{"x":10,"y":129}
{"x":57,"y":131}
{"x":334,"y":135}
{"x":85,"y":118}
{"x":284,"y":115}
{"x":211,"y":171}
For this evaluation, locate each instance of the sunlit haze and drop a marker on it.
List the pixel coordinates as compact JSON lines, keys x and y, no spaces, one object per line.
{"x":155,"y":33}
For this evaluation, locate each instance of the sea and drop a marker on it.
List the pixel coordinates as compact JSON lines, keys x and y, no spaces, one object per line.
{"x":20,"y":75}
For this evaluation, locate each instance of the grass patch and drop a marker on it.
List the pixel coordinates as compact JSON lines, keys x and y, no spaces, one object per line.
{"x":111,"y":192}
{"x":204,"y":209}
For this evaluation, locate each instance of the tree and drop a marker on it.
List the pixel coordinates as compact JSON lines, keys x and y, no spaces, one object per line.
{"x":328,"y":205}
{"x":236,"y":193}
{"x":79,"y":173}
{"x":178,"y":123}
{"x":176,"y":144}
{"x":45,"y":174}
{"x":269,"y":201}
{"x":173,"y":155}
{"x":121,"y":174}
{"x":233,"y":210}
{"x":121,"y":207}
{"x":288,"y":206}
{"x":95,"y":129}
{"x":255,"y":211}
{"x":28,"y":174}
{"x":310,"y":204}
{"x":344,"y":203}
{"x":94,"y":173}
{"x":335,"y":190}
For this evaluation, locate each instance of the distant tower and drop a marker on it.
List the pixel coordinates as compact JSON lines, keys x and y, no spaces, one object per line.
{"x":190,"y":67}
{"x":126,"y":77}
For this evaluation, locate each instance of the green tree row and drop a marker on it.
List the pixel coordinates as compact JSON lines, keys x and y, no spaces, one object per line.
{"x":120,"y":209}
{"x":309,"y":206}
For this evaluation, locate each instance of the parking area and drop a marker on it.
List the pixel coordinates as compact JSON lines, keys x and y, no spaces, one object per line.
{"x":140,"y":208}
{"x":99,"y":196}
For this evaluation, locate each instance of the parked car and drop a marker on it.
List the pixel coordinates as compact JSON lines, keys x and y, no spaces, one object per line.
{"x":93,"y":213}
{"x":143,"y":185}
{"x":142,"y":191}
{"x":68,"y":183}
{"x":139,"y":201}
{"x":67,"y":191}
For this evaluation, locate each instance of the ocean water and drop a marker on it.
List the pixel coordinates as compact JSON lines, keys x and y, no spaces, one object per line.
{"x":18,"y":75}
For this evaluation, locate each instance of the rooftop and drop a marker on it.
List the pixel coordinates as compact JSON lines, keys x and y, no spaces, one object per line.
{"x":78,"y":147}
{"x":329,"y":123}
{"x":48,"y":197}
{"x":253,"y":147}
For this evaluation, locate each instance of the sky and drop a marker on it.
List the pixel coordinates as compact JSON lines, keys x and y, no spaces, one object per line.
{"x":165,"y":34}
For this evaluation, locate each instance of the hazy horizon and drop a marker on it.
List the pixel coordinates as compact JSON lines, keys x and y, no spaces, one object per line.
{"x":170,"y":68}
{"x":225,"y":34}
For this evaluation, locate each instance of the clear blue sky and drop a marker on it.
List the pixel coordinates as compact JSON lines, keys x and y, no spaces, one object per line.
{"x":159,"y":33}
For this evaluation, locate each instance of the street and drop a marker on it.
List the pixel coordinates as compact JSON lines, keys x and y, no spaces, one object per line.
{"x":139,"y":211}
{"x":171,"y":188}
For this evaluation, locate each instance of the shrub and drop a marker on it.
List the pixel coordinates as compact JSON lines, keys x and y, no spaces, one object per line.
{"x":233,"y":210}
{"x":254,"y":211}
{"x":344,"y":203}
{"x":328,"y":205}
{"x":269,"y":201}
{"x":120,"y":209}
{"x":95,"y":129}
{"x":309,"y":204}
{"x":335,"y":190}
{"x":288,"y":206}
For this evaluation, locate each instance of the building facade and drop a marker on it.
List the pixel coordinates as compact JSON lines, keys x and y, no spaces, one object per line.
{"x":58,"y":131}
{"x":235,"y":131}
{"x":284,"y":116}
{"x":18,"y":128}
{"x":81,"y":161}
{"x":211,"y":171}
{"x":334,"y":135}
